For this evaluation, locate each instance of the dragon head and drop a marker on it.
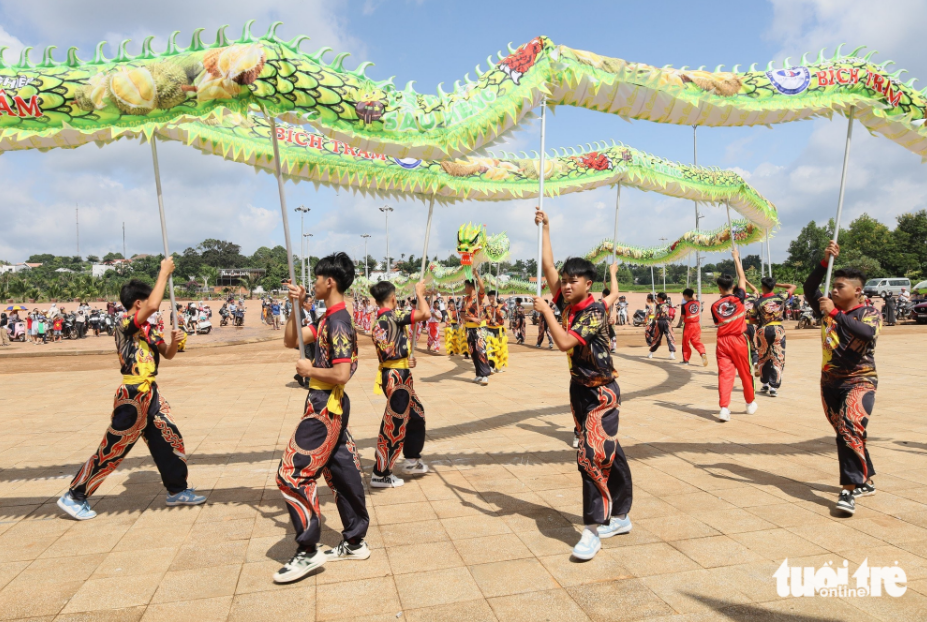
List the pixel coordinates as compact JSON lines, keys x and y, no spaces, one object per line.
{"x":470,"y":241}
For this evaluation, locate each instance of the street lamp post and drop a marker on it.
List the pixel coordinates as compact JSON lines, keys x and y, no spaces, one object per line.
{"x":306,"y":266}
{"x":366,"y":274}
{"x":303,"y":210}
{"x":386,"y":209}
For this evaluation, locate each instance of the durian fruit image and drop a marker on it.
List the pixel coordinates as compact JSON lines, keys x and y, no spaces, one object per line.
{"x":460,"y":168}
{"x":170,"y":82}
{"x":136,"y":90}
{"x":241,"y":64}
{"x":724,"y":84}
{"x":92,"y":95}
{"x":133,"y":90}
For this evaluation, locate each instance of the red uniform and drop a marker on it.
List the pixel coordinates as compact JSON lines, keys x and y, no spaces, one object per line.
{"x":692,"y":330}
{"x":732,"y":351}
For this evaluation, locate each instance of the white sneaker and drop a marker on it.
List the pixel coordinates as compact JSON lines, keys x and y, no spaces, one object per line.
{"x":476,"y":379}
{"x":484,"y":381}
{"x":672,"y":356}
{"x":773,"y":392}
{"x":751,"y":407}
{"x":387,"y":481}
{"x":298,"y":567}
{"x":725,"y":414}
{"x":415,"y":467}
{"x":345,"y":551}
{"x":587,"y":546}
{"x":650,"y":355}
{"x":704,"y":360}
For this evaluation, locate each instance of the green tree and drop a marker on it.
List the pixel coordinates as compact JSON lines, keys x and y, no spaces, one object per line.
{"x":809,"y":245}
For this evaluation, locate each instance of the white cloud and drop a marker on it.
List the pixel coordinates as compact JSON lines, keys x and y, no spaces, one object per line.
{"x":11,"y":42}
{"x":893,"y":26}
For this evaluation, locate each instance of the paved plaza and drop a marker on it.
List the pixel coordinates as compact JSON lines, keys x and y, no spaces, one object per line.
{"x":487,"y":535}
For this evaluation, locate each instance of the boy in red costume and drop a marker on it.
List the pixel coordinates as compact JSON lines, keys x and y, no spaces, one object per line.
{"x":689,"y":318}
{"x":732,"y":350}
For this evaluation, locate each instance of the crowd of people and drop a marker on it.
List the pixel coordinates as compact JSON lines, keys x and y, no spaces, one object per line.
{"x":55,"y":324}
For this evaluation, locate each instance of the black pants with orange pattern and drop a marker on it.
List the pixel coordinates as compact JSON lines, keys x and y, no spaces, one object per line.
{"x":136,"y":414}
{"x":848,"y":406}
{"x":607,"y":486}
{"x":403,"y":425}
{"x":476,"y":346}
{"x":322,"y":445}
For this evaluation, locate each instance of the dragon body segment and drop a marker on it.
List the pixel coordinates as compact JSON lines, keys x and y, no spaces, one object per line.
{"x":311,"y":157}
{"x":71,"y":102}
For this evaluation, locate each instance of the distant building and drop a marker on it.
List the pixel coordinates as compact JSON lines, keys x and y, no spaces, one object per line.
{"x":99,"y":269}
{"x":18,"y":267}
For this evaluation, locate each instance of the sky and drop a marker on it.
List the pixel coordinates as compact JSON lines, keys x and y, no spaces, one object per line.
{"x":797,"y":166}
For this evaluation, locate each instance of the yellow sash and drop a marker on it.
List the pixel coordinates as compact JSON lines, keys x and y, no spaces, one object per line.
{"x":474,"y":324}
{"x":774,"y":324}
{"x":397,"y":364}
{"x":334,"y":400}
{"x":143,"y":384}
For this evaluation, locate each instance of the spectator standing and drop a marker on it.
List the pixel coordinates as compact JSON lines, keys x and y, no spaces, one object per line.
{"x":275,"y":313}
{"x":4,"y":333}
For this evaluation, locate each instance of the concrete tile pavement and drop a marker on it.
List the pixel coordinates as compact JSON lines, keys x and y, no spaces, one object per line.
{"x":487,"y":534}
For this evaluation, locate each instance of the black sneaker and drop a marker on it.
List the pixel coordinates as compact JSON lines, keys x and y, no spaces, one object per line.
{"x":846,"y":502}
{"x":864,"y":490}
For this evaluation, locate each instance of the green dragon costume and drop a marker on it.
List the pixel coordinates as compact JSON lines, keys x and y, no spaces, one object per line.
{"x":65,"y":104}
{"x":476,"y":247}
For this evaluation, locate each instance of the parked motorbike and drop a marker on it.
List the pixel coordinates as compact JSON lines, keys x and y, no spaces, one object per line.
{"x":17,"y":331}
{"x":95,"y":322}
{"x":640,"y":317}
{"x":806,"y":319}
{"x":240,"y":317}
{"x":225,"y":317}
{"x":69,"y":328}
{"x":109,"y":324}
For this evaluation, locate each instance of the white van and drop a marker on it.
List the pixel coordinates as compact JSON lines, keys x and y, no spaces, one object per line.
{"x":880,"y":287}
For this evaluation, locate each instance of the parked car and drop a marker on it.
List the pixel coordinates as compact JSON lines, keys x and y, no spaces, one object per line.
{"x":880,"y":287}
{"x":920,"y":288}
{"x":919,"y":313}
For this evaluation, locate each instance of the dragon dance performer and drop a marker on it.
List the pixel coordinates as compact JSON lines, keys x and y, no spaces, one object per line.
{"x":497,"y":341}
{"x":732,"y":350}
{"x":612,"y":335}
{"x":453,"y":340}
{"x":849,"y":330}
{"x":750,"y":328}
{"x":595,"y":397}
{"x":517,"y":322}
{"x":403,"y":425}
{"x":434,"y":337}
{"x":544,"y":329}
{"x":769,"y":311}
{"x":690,"y":318}
{"x":139,"y":409}
{"x":473,"y":321}
{"x":662,"y":326}
{"x":650,"y":321}
{"x":321,"y":443}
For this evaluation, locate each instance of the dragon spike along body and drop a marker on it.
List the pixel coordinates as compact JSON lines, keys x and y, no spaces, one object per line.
{"x":307,"y":156}
{"x":70,"y":102}
{"x":473,"y":242}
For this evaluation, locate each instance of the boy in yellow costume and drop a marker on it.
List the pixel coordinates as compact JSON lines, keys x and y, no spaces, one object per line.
{"x":497,"y":342}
